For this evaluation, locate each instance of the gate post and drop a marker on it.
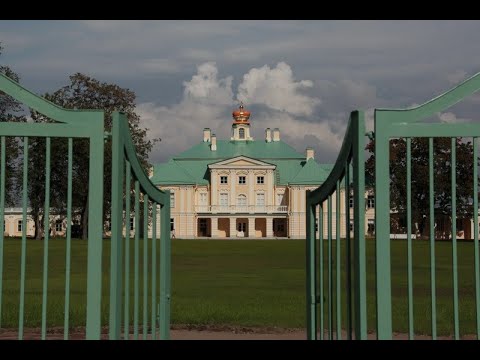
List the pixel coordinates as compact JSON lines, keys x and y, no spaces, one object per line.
{"x":360,"y":272}
{"x":95,"y":230}
{"x":382,"y":231}
{"x":118,"y":161}
{"x":165,"y":267}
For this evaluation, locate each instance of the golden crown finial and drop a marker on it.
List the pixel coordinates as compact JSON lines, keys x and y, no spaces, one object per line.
{"x":241,"y":115}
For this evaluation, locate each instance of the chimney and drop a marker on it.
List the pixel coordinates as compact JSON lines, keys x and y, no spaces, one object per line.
{"x":213,"y":146}
{"x":206,"y":135}
{"x":268,"y":135}
{"x":310,"y":153}
{"x":276,"y":134}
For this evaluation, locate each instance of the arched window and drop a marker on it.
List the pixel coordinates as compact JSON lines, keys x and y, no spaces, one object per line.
{"x":241,"y":133}
{"x":242,"y":200}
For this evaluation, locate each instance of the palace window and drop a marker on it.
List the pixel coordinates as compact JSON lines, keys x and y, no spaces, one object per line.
{"x":242,"y":200}
{"x":172,"y":224}
{"x":241,"y":133}
{"x":20,"y":225}
{"x":261,"y":199}
{"x":260,"y":180}
{"x":350,"y":201}
{"x":224,"y":199}
{"x":203,"y":198}
{"x":223,"y":179}
{"x":351,"y":225}
{"x":172,"y":199}
{"x":132,"y":223}
{"x":59,"y":226}
{"x":370,"y":202}
{"x":279,"y":199}
{"x":242,"y":180}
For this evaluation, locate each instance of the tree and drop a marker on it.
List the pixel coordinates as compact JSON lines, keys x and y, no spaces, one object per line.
{"x":84,"y":92}
{"x":36,"y":183}
{"x":420,"y":177}
{"x":10,"y":111}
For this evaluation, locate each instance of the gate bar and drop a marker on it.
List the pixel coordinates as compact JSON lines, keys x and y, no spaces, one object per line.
{"x":432,"y":239}
{"x":46,"y":232}
{"x":409,"y":239}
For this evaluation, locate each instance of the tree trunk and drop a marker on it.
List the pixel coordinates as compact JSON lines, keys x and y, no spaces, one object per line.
{"x":35,"y":230}
{"x":38,"y":227}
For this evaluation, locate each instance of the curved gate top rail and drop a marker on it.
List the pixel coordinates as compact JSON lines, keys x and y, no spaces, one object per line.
{"x":47,"y":108}
{"x":433,"y":106}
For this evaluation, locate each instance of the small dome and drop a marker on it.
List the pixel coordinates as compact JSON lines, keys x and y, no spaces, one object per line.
{"x":240,"y":115}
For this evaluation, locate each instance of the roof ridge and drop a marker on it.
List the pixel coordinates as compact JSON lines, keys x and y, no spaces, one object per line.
{"x":309,"y":164}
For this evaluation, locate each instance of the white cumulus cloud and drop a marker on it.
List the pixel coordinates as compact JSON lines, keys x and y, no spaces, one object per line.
{"x":205,"y":86}
{"x":277,"y":89}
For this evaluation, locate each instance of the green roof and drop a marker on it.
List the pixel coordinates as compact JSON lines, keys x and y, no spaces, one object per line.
{"x":311,"y":173}
{"x":227,"y":149}
{"x":191,"y":166}
{"x":171,"y":173}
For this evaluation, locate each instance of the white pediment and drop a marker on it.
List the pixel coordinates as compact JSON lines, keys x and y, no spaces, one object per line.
{"x":241,"y":162}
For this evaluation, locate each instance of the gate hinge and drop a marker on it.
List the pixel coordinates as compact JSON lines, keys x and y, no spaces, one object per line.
{"x":371,"y":135}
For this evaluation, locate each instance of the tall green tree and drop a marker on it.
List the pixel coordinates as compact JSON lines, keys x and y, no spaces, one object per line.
{"x":420,"y":177}
{"x":84,"y":92}
{"x":11,"y":111}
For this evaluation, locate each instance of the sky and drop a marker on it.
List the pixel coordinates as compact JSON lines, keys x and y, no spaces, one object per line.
{"x":303,"y":77}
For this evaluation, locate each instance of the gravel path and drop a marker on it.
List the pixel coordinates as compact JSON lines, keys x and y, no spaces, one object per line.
{"x":207,"y":333}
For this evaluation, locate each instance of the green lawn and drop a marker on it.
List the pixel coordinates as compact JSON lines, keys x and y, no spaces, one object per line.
{"x":239,"y":282}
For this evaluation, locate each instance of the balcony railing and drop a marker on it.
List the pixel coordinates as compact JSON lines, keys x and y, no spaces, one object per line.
{"x":239,"y":209}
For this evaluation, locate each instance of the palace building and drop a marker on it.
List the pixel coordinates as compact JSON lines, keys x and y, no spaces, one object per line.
{"x":240,"y":187}
{"x":246,"y":188}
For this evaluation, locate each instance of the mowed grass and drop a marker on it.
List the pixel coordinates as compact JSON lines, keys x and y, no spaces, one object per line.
{"x":239,"y":283}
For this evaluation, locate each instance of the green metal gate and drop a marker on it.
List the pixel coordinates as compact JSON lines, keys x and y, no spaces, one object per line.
{"x":320,"y":301}
{"x":89,"y":124}
{"x":389,"y":124}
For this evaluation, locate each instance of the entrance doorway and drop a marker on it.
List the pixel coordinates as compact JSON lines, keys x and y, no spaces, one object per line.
{"x":260,"y":227}
{"x":223,"y":227}
{"x":280,"y":227}
{"x":204,"y":228}
{"x":242,"y":227}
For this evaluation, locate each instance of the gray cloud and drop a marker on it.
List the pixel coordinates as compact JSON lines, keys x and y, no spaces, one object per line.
{"x":336,"y":67}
